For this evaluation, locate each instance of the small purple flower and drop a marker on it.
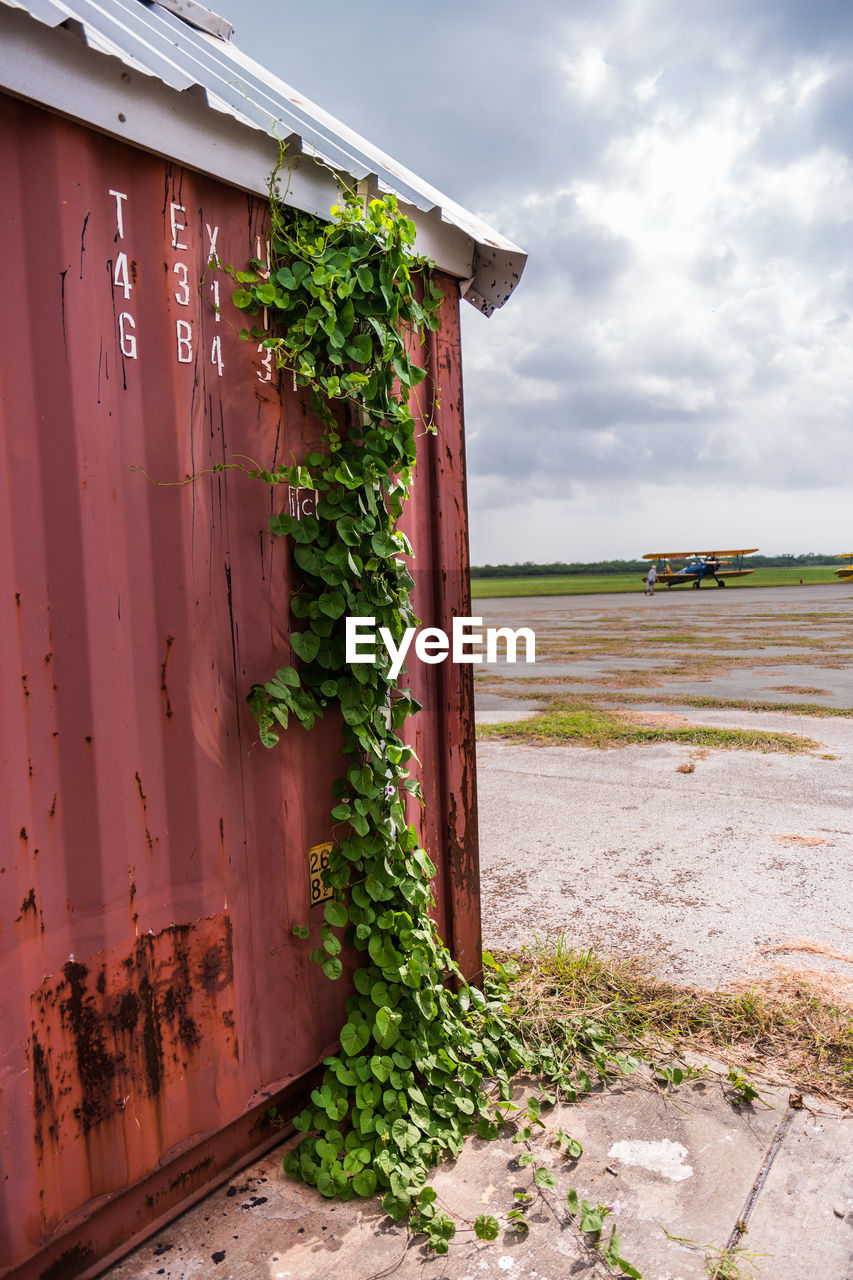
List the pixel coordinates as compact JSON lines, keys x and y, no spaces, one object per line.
{"x":390,"y":790}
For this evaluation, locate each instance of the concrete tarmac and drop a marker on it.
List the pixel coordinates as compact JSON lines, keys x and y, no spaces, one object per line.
{"x":713,"y":873}
{"x":684,"y":1176}
{"x":717,"y":873}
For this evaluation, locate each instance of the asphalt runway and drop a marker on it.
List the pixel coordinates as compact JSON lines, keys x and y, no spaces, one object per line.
{"x":722,"y":873}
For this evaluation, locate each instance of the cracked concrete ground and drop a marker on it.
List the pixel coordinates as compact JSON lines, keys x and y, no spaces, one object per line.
{"x":684,"y":1176}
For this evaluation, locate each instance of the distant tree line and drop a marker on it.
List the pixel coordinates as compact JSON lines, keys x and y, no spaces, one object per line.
{"x":559,"y":570}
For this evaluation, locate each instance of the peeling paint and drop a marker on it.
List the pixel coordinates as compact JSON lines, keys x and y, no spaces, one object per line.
{"x":137,"y":1024}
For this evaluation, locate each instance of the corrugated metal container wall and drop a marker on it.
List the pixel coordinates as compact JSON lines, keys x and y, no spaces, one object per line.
{"x":154,"y":1000}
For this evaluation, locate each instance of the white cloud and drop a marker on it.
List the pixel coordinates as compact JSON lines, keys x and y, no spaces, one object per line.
{"x":646,"y":89}
{"x":587,"y":72}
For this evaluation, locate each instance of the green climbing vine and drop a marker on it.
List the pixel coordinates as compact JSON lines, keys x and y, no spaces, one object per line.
{"x":425,"y":1056}
{"x":342,"y":304}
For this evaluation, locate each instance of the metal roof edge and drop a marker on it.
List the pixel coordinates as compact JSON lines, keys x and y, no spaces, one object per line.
{"x":50,"y":63}
{"x":198,"y":16}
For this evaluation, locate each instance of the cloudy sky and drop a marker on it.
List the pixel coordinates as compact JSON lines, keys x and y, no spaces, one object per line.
{"x":676,"y":365}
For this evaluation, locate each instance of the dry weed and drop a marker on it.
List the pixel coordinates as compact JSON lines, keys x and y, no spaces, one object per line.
{"x":788,"y":1027}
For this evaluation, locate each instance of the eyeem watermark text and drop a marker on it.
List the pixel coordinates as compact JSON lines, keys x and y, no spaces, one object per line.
{"x":434,"y":645}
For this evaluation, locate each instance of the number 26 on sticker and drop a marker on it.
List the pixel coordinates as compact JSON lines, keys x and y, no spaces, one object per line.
{"x":318,"y":860}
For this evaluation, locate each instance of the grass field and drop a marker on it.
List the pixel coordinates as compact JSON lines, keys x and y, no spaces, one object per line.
{"x":614,"y":583}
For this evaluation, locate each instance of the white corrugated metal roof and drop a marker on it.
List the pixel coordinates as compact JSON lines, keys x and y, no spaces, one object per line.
{"x":192,"y":54}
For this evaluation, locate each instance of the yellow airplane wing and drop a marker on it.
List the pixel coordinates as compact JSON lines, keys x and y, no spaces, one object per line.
{"x":685,"y":555}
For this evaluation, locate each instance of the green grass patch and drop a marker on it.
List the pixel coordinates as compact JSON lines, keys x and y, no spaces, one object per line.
{"x":780,"y":1025}
{"x":587,"y":725}
{"x":562,"y":701}
{"x":699,"y":700}
{"x":622,"y":583}
{"x":752,"y":704}
{"x":576,"y":585}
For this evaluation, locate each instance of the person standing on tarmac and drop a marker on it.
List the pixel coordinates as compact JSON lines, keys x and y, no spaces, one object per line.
{"x":651,"y":578}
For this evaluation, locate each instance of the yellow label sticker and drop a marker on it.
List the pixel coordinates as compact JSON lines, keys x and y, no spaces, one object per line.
{"x":318,"y":859}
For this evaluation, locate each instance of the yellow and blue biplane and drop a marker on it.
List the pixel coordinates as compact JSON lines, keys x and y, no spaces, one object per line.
{"x":699,"y":565}
{"x":845,"y":573}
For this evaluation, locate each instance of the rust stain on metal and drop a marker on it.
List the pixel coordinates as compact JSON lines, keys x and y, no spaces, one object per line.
{"x":215,"y":968}
{"x":95,"y":1065}
{"x":29,"y":904}
{"x":144,"y":799}
{"x":170,"y":640}
{"x":69,"y":1263}
{"x":136,"y":1021}
{"x":42,"y":1092}
{"x":189,"y":1178}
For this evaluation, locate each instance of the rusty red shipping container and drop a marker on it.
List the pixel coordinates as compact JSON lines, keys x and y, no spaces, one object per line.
{"x":155,"y":857}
